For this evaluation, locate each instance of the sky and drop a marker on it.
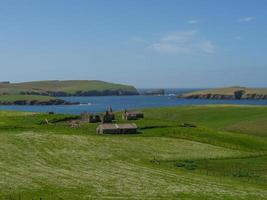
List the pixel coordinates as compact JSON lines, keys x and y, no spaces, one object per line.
{"x":145,"y":43}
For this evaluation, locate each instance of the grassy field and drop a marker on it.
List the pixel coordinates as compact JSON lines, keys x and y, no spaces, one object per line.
{"x":70,"y":87}
{"x":223,"y":157}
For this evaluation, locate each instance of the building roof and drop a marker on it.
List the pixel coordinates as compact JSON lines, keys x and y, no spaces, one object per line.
{"x":126,"y":126}
{"x":118,"y":126}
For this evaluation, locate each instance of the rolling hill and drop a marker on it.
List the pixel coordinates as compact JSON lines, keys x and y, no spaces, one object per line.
{"x":66,"y":88}
{"x":228,"y":93}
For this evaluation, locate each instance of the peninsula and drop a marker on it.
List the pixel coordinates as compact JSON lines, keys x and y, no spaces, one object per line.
{"x":230,"y":93}
{"x":67,"y":88}
{"x":32,"y":100}
{"x":47,"y":92}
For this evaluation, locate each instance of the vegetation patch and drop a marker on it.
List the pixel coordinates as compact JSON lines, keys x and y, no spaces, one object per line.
{"x":210,"y":161}
{"x":187,"y":164}
{"x":256,"y":127}
{"x":253,"y":169}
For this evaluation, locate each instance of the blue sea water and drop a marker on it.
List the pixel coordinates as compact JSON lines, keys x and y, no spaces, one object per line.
{"x":100,"y":104}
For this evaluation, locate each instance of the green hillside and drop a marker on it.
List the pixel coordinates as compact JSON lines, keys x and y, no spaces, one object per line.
{"x":67,"y":88}
{"x":223,"y":157}
{"x":228,"y":93}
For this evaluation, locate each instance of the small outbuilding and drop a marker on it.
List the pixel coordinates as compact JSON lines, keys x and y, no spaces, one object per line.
{"x":117,"y":128}
{"x":90,"y":118}
{"x":132,"y":115}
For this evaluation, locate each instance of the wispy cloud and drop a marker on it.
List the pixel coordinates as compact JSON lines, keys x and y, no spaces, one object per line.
{"x":187,"y":41}
{"x":246,"y":19}
{"x":193,"y":21}
{"x":139,"y":40}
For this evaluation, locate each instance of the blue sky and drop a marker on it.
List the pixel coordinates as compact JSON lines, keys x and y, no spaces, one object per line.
{"x":146,"y":43}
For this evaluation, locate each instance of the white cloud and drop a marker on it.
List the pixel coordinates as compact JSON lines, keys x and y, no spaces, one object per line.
{"x":168,"y":48}
{"x":185,"y":42}
{"x":193,"y":21}
{"x":246,"y":19}
{"x":139,"y":40}
{"x":206,"y":46}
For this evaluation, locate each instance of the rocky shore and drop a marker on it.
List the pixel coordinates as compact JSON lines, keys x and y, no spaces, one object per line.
{"x":232,"y":93}
{"x":223,"y":97}
{"x":37,"y":102}
{"x":83,"y":93}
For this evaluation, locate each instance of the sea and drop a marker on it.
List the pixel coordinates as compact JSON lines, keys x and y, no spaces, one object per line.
{"x":101,"y":104}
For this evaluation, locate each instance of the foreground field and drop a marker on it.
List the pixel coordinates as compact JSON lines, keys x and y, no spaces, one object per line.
{"x":224,"y":157}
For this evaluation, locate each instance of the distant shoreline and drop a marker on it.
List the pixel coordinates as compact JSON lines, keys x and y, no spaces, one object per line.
{"x":230,"y":93}
{"x":37,"y":103}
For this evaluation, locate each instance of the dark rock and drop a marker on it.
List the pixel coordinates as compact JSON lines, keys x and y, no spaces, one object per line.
{"x":36,"y":102}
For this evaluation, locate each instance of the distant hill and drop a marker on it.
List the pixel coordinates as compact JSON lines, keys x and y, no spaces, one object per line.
{"x":66,"y":88}
{"x":228,"y":93}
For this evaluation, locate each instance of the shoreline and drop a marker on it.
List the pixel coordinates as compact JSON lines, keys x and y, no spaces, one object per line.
{"x":37,"y":103}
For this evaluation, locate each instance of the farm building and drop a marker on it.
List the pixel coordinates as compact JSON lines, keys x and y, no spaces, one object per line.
{"x":116,"y":128}
{"x":107,"y":117}
{"x":132,"y":115}
{"x":90,"y":118}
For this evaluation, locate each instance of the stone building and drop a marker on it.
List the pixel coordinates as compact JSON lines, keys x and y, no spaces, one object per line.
{"x":117,"y":129}
{"x":132,"y":115}
{"x":90,"y":118}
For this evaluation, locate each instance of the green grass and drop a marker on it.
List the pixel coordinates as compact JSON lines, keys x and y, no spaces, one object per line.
{"x":250,"y":126}
{"x":70,"y":87}
{"x":224,"y":157}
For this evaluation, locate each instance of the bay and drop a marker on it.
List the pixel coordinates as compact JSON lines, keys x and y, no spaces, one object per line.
{"x":100,"y":104}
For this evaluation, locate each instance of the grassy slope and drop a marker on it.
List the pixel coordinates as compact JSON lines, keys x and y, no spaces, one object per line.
{"x":230,"y":91}
{"x":62,"y":86}
{"x":216,"y":160}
